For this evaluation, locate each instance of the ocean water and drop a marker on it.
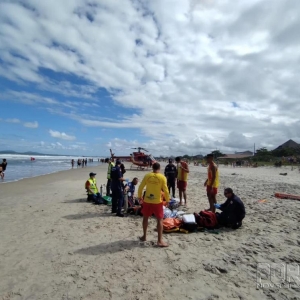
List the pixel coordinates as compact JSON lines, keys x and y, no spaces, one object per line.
{"x":20,"y":166}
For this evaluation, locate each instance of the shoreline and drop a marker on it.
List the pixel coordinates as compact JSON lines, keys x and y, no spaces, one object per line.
{"x":26,"y":184}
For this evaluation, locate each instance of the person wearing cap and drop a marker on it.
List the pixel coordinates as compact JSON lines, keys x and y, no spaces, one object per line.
{"x":212,"y":182}
{"x":108,"y":184}
{"x":117,"y":189}
{"x":92,"y":189}
{"x":233,"y":210}
{"x":171,"y":174}
{"x":182,"y":176}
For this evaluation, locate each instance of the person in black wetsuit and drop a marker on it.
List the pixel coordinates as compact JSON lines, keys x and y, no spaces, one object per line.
{"x":171,"y":174}
{"x":233,"y":210}
{"x":3,"y":165}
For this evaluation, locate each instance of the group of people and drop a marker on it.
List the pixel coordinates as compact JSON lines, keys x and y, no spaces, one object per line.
{"x":232,"y":210}
{"x":121,"y":188}
{"x":3,"y":166}
{"x":80,"y":162}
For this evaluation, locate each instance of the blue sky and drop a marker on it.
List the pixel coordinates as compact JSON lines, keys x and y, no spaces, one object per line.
{"x":174,"y":76}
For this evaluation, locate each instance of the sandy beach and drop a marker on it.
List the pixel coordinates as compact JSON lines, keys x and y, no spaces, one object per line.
{"x":55,"y":245}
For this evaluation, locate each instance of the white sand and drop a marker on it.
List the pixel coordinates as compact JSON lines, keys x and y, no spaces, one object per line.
{"x":54,"y":245}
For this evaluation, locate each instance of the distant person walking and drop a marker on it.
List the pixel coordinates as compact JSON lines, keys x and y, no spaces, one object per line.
{"x":85,"y":162}
{"x":72,"y":163}
{"x":212,"y":182}
{"x":182,"y":176}
{"x":78,"y":163}
{"x":3,"y":168}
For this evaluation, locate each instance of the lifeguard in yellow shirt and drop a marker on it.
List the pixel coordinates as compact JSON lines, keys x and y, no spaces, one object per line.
{"x":212,"y":182}
{"x":182,"y":176}
{"x":152,"y":202}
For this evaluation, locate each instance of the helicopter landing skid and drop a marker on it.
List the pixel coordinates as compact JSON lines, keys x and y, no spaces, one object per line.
{"x":140,"y":168}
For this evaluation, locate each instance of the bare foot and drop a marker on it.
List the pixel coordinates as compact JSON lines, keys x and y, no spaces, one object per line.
{"x":142,"y":239}
{"x":162,"y":244}
{"x":180,"y":203}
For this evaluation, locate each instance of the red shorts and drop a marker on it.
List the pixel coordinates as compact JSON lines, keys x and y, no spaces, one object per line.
{"x":181,"y":185}
{"x":150,"y":209}
{"x":210,"y":190}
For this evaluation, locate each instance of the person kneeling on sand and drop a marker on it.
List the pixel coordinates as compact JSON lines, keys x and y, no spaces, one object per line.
{"x":129,"y":191}
{"x":152,"y":203}
{"x":233,"y":210}
{"x":92,"y":189}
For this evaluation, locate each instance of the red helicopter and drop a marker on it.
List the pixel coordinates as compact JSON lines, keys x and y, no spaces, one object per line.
{"x":139,"y":159}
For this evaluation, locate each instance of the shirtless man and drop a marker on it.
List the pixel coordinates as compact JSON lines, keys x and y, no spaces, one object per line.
{"x":212,"y":182}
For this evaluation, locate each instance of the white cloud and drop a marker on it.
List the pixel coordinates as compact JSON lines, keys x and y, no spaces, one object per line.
{"x":61,"y":135}
{"x":14,"y":120}
{"x":182,"y":65}
{"x":34,"y":124}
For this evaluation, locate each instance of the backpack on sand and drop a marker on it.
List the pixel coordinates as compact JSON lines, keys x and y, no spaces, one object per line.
{"x":206,"y":219}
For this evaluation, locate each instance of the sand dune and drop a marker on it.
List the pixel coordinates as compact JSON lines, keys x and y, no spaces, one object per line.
{"x":55,"y":245}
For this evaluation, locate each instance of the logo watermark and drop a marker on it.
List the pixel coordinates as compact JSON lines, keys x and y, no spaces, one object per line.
{"x":277,"y":275}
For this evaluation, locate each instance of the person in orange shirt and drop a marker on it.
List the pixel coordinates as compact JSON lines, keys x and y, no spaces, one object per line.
{"x":153,"y":201}
{"x":212,"y":182}
{"x":182,"y":176}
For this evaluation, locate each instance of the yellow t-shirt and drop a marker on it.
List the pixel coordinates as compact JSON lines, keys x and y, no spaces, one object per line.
{"x":209,"y":175}
{"x":155,"y":183}
{"x":181,"y":174}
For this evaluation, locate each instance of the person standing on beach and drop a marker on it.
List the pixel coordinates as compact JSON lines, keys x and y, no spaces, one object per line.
{"x":152,"y":202}
{"x":212,"y":182}
{"x":117,"y":189}
{"x":3,"y":165}
{"x":108,"y":184}
{"x":171,"y":174}
{"x":182,"y":176}
{"x":72,"y":163}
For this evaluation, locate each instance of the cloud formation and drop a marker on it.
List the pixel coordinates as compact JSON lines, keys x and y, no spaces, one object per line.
{"x":14,"y":120}
{"x":198,"y":75}
{"x":61,"y":135}
{"x":34,"y":124}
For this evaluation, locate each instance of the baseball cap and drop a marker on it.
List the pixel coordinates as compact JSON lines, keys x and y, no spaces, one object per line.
{"x":118,"y":162}
{"x":92,"y":174}
{"x":170,"y":160}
